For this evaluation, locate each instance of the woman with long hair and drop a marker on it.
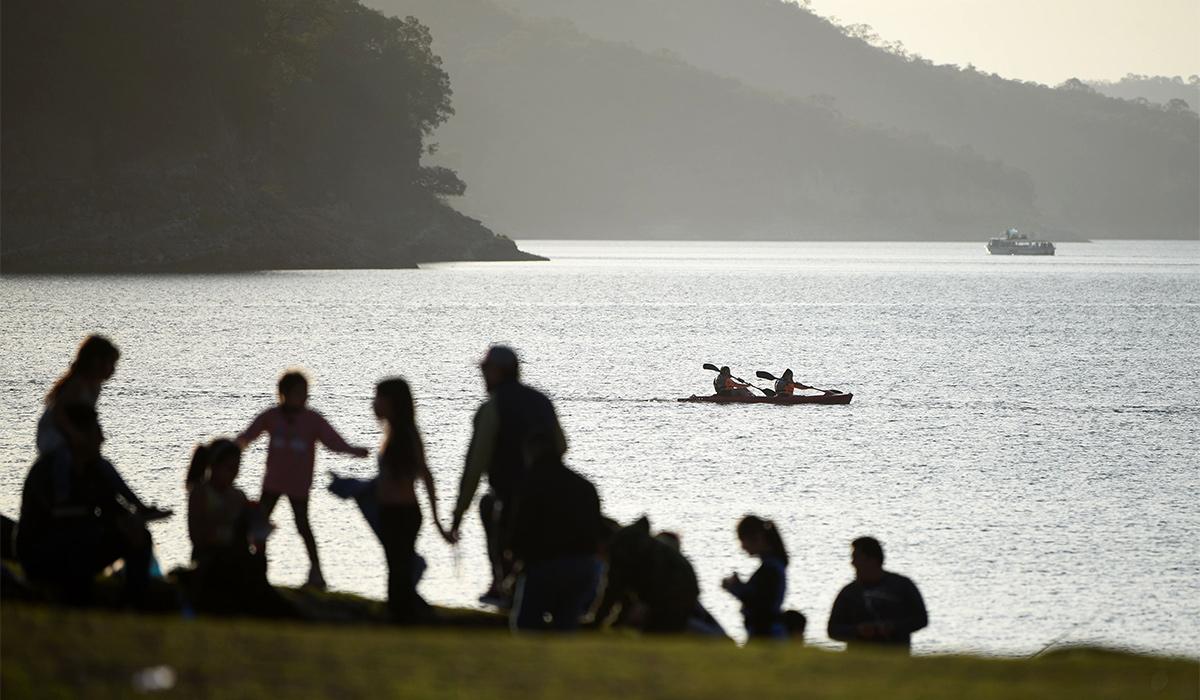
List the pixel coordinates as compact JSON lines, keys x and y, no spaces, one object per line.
{"x":94,"y":364}
{"x":401,"y":464}
{"x":762,"y":595}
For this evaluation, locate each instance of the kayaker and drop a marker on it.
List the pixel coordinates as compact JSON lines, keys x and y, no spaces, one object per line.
{"x":786,"y":385}
{"x":726,"y":385}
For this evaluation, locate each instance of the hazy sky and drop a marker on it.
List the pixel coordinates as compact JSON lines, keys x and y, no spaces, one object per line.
{"x":1043,"y":40}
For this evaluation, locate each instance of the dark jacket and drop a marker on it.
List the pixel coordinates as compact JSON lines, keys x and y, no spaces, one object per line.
{"x":523,"y":412}
{"x":61,"y":496}
{"x":762,"y":599}
{"x":895,"y":600}
{"x":556,"y":515}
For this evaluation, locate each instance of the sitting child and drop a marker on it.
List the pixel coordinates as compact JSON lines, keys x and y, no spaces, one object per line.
{"x":227,"y":536}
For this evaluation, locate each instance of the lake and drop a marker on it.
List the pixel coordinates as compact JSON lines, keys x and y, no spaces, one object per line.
{"x":1023,"y":437}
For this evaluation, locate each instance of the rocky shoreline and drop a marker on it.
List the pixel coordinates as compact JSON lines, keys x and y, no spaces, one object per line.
{"x":123,"y":231}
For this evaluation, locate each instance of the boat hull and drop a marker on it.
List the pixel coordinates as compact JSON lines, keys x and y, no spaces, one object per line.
{"x":826,"y":399}
{"x":999,"y":247}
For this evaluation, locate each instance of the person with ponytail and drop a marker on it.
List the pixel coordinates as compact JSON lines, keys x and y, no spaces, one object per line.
{"x":762,"y":595}
{"x":94,"y":364}
{"x":401,"y":464}
{"x":227,"y":532}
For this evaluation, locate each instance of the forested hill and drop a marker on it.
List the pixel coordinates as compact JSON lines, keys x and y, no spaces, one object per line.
{"x":1100,"y":166}
{"x":234,"y":134}
{"x":1157,"y":91}
{"x":563,"y":135}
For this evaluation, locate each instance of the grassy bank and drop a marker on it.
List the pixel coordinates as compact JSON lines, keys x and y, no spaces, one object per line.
{"x":49,"y":652}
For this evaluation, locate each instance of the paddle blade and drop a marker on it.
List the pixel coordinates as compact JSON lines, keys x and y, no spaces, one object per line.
{"x":767,"y":392}
{"x":712,"y":367}
{"x":765,"y":375}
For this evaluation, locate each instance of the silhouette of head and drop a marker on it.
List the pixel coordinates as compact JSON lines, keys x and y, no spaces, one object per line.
{"x":219,"y":462}
{"x":787,"y":375}
{"x":95,"y":362}
{"x":499,"y":365}
{"x":293,"y":389}
{"x":97,"y":358}
{"x":761,"y":538}
{"x":867,"y":559}
{"x":225,"y":460}
{"x":88,"y":437}
{"x":394,"y":401}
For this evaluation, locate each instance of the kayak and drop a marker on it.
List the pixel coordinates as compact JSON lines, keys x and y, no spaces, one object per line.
{"x":837,"y":398}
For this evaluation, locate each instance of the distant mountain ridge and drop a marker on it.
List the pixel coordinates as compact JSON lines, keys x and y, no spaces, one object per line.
{"x":564,"y":135}
{"x":1157,"y":90}
{"x":1099,"y":166}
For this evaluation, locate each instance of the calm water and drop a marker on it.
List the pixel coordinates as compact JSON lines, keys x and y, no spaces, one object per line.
{"x":1023,"y":438}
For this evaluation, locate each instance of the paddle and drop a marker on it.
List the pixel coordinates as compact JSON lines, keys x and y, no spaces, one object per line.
{"x":767,"y":375}
{"x":713,"y":368}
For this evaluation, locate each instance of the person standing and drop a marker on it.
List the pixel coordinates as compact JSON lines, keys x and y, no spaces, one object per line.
{"x":503,"y":424}
{"x":878,"y":607}
{"x":401,"y":464}
{"x":295,"y":430}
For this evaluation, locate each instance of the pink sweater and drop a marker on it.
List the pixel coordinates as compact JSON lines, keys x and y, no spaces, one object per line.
{"x":291,"y":453}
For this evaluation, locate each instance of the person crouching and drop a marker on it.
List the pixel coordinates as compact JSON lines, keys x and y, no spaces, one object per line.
{"x":555,"y":539}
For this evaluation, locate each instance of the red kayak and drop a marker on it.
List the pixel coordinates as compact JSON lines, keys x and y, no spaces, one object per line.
{"x":831,"y":398}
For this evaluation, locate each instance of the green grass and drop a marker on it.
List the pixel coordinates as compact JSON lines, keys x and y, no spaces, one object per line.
{"x":50,"y":652}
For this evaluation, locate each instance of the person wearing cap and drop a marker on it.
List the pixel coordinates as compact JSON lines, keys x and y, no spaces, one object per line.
{"x":503,"y":424}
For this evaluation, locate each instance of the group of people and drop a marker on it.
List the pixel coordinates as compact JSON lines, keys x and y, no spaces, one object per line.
{"x":556,"y":561}
{"x":725,"y":384}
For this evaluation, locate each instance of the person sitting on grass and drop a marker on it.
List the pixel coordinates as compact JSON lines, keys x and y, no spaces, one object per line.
{"x":227,"y":533}
{"x":878,"y":607}
{"x":762,"y":595}
{"x":556,"y":535}
{"x":291,"y":456}
{"x":78,"y":517}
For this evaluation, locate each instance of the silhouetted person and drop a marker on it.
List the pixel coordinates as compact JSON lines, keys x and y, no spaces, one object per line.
{"x":726,"y":385}
{"x":701,"y":620}
{"x":557,"y":529}
{"x":503,"y":424}
{"x":795,"y":623}
{"x":227,"y":531}
{"x":879,"y":607}
{"x":650,"y":584}
{"x":76,"y":520}
{"x":762,"y":595}
{"x":786,"y":385}
{"x":401,"y":464}
{"x":294,"y":431}
{"x":94,"y":364}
